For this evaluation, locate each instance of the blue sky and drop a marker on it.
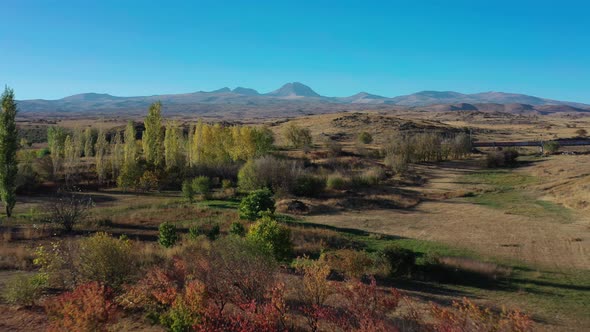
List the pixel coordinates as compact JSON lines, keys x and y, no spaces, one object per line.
{"x":51,"y":49}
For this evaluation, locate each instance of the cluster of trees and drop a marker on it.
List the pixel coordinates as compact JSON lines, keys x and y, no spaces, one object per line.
{"x":162,"y":149}
{"x":402,"y":149}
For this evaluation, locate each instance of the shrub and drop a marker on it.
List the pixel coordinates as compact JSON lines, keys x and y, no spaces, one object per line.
{"x":582,"y":132}
{"x":255,"y":203}
{"x":201,"y":185}
{"x":43,"y":152}
{"x":399,"y":261}
{"x":551,"y":147}
{"x":68,"y":210}
{"x":272,"y":237}
{"x":87,"y":308}
{"x":226,"y":184}
{"x":213,"y":232}
{"x":188,"y":192}
{"x":334,"y":147}
{"x":57,"y":262}
{"x":504,"y":158}
{"x":298,"y":137}
{"x":105,"y":259}
{"x":352,"y":263}
{"x":269,"y":172}
{"x":167,"y":235}
{"x":337,"y":182}
{"x":237,"y":228}
{"x":309,"y":186}
{"x":466,"y":316}
{"x":24,"y":290}
{"x":364,"y":138}
{"x":149,"y":181}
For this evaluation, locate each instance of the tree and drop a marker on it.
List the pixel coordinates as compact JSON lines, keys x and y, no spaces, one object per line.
{"x":100,"y":156}
{"x":56,"y":137}
{"x":582,"y":132}
{"x":8,"y":147}
{"x":153,"y":139}
{"x":89,"y":140}
{"x":298,"y":137}
{"x":174,"y":146}
{"x":129,"y":171}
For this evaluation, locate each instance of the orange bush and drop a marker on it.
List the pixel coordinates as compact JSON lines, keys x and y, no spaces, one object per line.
{"x":86,"y":308}
{"x":465,"y":316}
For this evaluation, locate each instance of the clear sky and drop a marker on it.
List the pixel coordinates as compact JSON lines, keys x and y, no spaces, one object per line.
{"x":51,"y":49}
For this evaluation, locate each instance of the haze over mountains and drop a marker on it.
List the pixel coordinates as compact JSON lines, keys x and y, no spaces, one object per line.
{"x":303,"y":98}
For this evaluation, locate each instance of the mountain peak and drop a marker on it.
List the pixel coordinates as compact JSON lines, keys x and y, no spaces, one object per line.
{"x":245,"y":91}
{"x":294,"y":89}
{"x":222,"y":90}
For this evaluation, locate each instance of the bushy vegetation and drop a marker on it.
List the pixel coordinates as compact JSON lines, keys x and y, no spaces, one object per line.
{"x":503,"y":158}
{"x":105,"y":259}
{"x":399,"y":261}
{"x":23,"y":289}
{"x":256,"y":203}
{"x":168,"y":235}
{"x":403,"y":149}
{"x":272,"y":237}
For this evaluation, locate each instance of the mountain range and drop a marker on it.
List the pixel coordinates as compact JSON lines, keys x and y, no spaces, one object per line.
{"x":301,"y":97}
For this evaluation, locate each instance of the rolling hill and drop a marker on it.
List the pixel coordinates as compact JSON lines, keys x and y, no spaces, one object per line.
{"x":300,"y":98}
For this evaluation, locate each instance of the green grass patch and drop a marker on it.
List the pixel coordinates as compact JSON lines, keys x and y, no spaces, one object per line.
{"x":508,"y":192}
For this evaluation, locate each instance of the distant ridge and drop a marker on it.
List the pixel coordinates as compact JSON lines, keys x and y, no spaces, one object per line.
{"x":301,"y":97}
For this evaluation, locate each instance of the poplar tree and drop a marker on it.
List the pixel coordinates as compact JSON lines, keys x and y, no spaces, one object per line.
{"x":56,"y":137}
{"x":100,"y":156}
{"x":173,"y":146}
{"x":117,"y":155}
{"x":88,"y":142}
{"x":129,"y":171}
{"x":153,"y":140}
{"x":8,"y":147}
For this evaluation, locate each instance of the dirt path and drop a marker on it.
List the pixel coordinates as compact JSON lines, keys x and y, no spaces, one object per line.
{"x":490,"y":232}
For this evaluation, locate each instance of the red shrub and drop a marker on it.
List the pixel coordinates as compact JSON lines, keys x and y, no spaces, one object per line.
{"x":86,"y":308}
{"x":366,"y":308}
{"x":465,"y":316}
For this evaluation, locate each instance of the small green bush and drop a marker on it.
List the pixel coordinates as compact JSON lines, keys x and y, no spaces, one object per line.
{"x":309,"y":186}
{"x":202,"y":185}
{"x":168,"y":235}
{"x":227,"y":184}
{"x":551,"y":147}
{"x":24,"y":290}
{"x":337,"y":182}
{"x":272,"y":237}
{"x":399,"y":261}
{"x":255,"y":203}
{"x":187,"y":191}
{"x":43,"y":152}
{"x":212,"y":232}
{"x":365,"y":138}
{"x":237,"y":228}
{"x":105,"y":259}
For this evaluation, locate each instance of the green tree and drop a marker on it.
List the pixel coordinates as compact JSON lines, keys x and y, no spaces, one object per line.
{"x":298,"y":137}
{"x":56,"y":137}
{"x":89,"y":140}
{"x":153,"y":138}
{"x":272,"y":237}
{"x":8,"y":147}
{"x":174,"y":146}
{"x":257,"y":202}
{"x":129,"y":171}
{"x":100,"y":156}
